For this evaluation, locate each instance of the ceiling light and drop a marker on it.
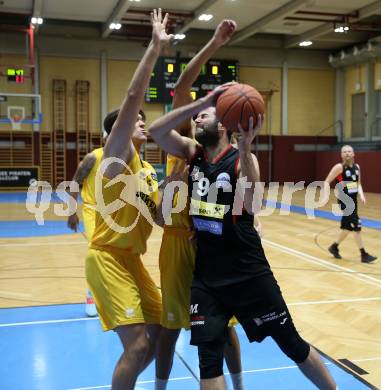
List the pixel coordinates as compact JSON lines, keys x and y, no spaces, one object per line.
{"x":179,"y":36}
{"x":115,"y":26}
{"x":305,"y":43}
{"x":205,"y":17}
{"x":36,"y":20}
{"x":341,"y":29}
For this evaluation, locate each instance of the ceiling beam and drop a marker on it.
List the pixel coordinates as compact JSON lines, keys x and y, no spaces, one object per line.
{"x":328,"y":27}
{"x":37,"y":6}
{"x":281,"y":12}
{"x":116,"y":15}
{"x":201,"y":9}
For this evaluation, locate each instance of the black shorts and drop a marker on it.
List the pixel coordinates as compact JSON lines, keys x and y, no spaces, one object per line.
{"x":257,"y":304}
{"x":350,"y":222}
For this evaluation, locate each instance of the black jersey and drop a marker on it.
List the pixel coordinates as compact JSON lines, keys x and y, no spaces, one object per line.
{"x":349,"y":180}
{"x":229,"y":249}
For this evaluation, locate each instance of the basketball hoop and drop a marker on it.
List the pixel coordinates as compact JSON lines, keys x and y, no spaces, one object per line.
{"x":16,"y":121}
{"x":16,"y":114}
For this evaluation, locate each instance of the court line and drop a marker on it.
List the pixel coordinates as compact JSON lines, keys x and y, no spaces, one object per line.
{"x":48,"y":322}
{"x":189,"y":377}
{"x":324,"y":263}
{"x":334,"y":301}
{"x":138,"y":383}
{"x":96,"y":318}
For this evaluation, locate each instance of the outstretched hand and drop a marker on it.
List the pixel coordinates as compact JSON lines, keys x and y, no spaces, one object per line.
{"x":246,"y":138}
{"x":224,"y":31}
{"x":211,"y":98}
{"x":159,"y":35}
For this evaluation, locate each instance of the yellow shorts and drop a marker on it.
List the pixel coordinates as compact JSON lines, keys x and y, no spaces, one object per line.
{"x":123,"y":290}
{"x":176,"y":262}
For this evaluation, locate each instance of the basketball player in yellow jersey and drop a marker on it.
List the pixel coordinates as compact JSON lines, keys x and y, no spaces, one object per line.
{"x":126,"y":297}
{"x":177,"y":255}
{"x":85,"y":177}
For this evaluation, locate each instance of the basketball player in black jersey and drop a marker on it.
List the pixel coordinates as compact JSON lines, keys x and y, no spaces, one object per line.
{"x":232,"y":275}
{"x":347,"y":174}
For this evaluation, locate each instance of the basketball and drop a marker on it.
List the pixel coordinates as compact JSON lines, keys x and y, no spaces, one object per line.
{"x":237,"y":104}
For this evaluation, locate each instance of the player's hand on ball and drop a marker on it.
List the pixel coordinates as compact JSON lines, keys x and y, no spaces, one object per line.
{"x":245,"y":138}
{"x":211,"y":98}
{"x":159,"y":35}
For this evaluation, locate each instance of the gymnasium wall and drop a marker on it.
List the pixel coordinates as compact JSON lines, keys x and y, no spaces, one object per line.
{"x":311,"y":101}
{"x":355,"y":80}
{"x":266,"y":79}
{"x":294,"y":158}
{"x":70,"y":69}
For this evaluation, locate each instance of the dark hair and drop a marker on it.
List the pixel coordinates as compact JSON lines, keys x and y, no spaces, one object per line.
{"x":110,"y":119}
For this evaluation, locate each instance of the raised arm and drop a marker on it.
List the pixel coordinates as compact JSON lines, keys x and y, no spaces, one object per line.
{"x":162,"y":129}
{"x":83,"y":170}
{"x":119,"y":142}
{"x":222,"y":35}
{"x":249,"y":168}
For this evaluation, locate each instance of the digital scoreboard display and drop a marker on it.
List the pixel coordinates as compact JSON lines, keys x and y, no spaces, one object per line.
{"x":168,"y":70}
{"x":15,"y":76}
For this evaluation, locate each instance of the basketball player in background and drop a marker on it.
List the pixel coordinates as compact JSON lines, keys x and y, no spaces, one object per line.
{"x":348,"y":176}
{"x":232,"y":275}
{"x":126,"y":297}
{"x":85,"y":177}
{"x":177,"y":254}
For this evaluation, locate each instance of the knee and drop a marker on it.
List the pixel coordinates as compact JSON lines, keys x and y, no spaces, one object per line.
{"x":294,"y":347}
{"x":211,"y":357}
{"x":139,"y":347}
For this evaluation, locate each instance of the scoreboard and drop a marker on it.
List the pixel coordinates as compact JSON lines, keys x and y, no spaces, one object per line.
{"x":168,"y":70}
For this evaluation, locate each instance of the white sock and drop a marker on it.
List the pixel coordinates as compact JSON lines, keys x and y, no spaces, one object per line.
{"x":161,"y":384}
{"x":237,"y":381}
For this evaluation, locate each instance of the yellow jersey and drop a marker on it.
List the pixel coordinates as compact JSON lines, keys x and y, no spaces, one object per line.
{"x":181,"y":219}
{"x":125,"y":208}
{"x":88,"y":187}
{"x":88,"y":195}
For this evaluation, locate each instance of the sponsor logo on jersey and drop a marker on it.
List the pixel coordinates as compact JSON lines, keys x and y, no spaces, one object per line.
{"x":223,"y":180}
{"x":193,"y":309}
{"x":203,"y":225}
{"x":205,"y":209}
{"x":197,"y":320}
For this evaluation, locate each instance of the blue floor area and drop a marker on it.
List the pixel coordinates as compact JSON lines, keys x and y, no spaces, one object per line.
{"x":370,"y":223}
{"x":56,"y":347}
{"x":21,"y":197}
{"x":14,"y":229}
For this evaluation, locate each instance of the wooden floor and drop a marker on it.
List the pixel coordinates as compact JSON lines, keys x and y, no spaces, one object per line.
{"x":336,"y":304}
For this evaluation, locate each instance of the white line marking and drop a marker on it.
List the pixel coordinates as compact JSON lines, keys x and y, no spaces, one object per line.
{"x":288,"y":304}
{"x":334,"y":301}
{"x":324,"y":263}
{"x":138,"y":383}
{"x":48,"y":322}
{"x":191,"y":377}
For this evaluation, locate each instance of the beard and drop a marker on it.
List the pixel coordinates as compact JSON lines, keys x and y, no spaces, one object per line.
{"x":208,"y":136}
